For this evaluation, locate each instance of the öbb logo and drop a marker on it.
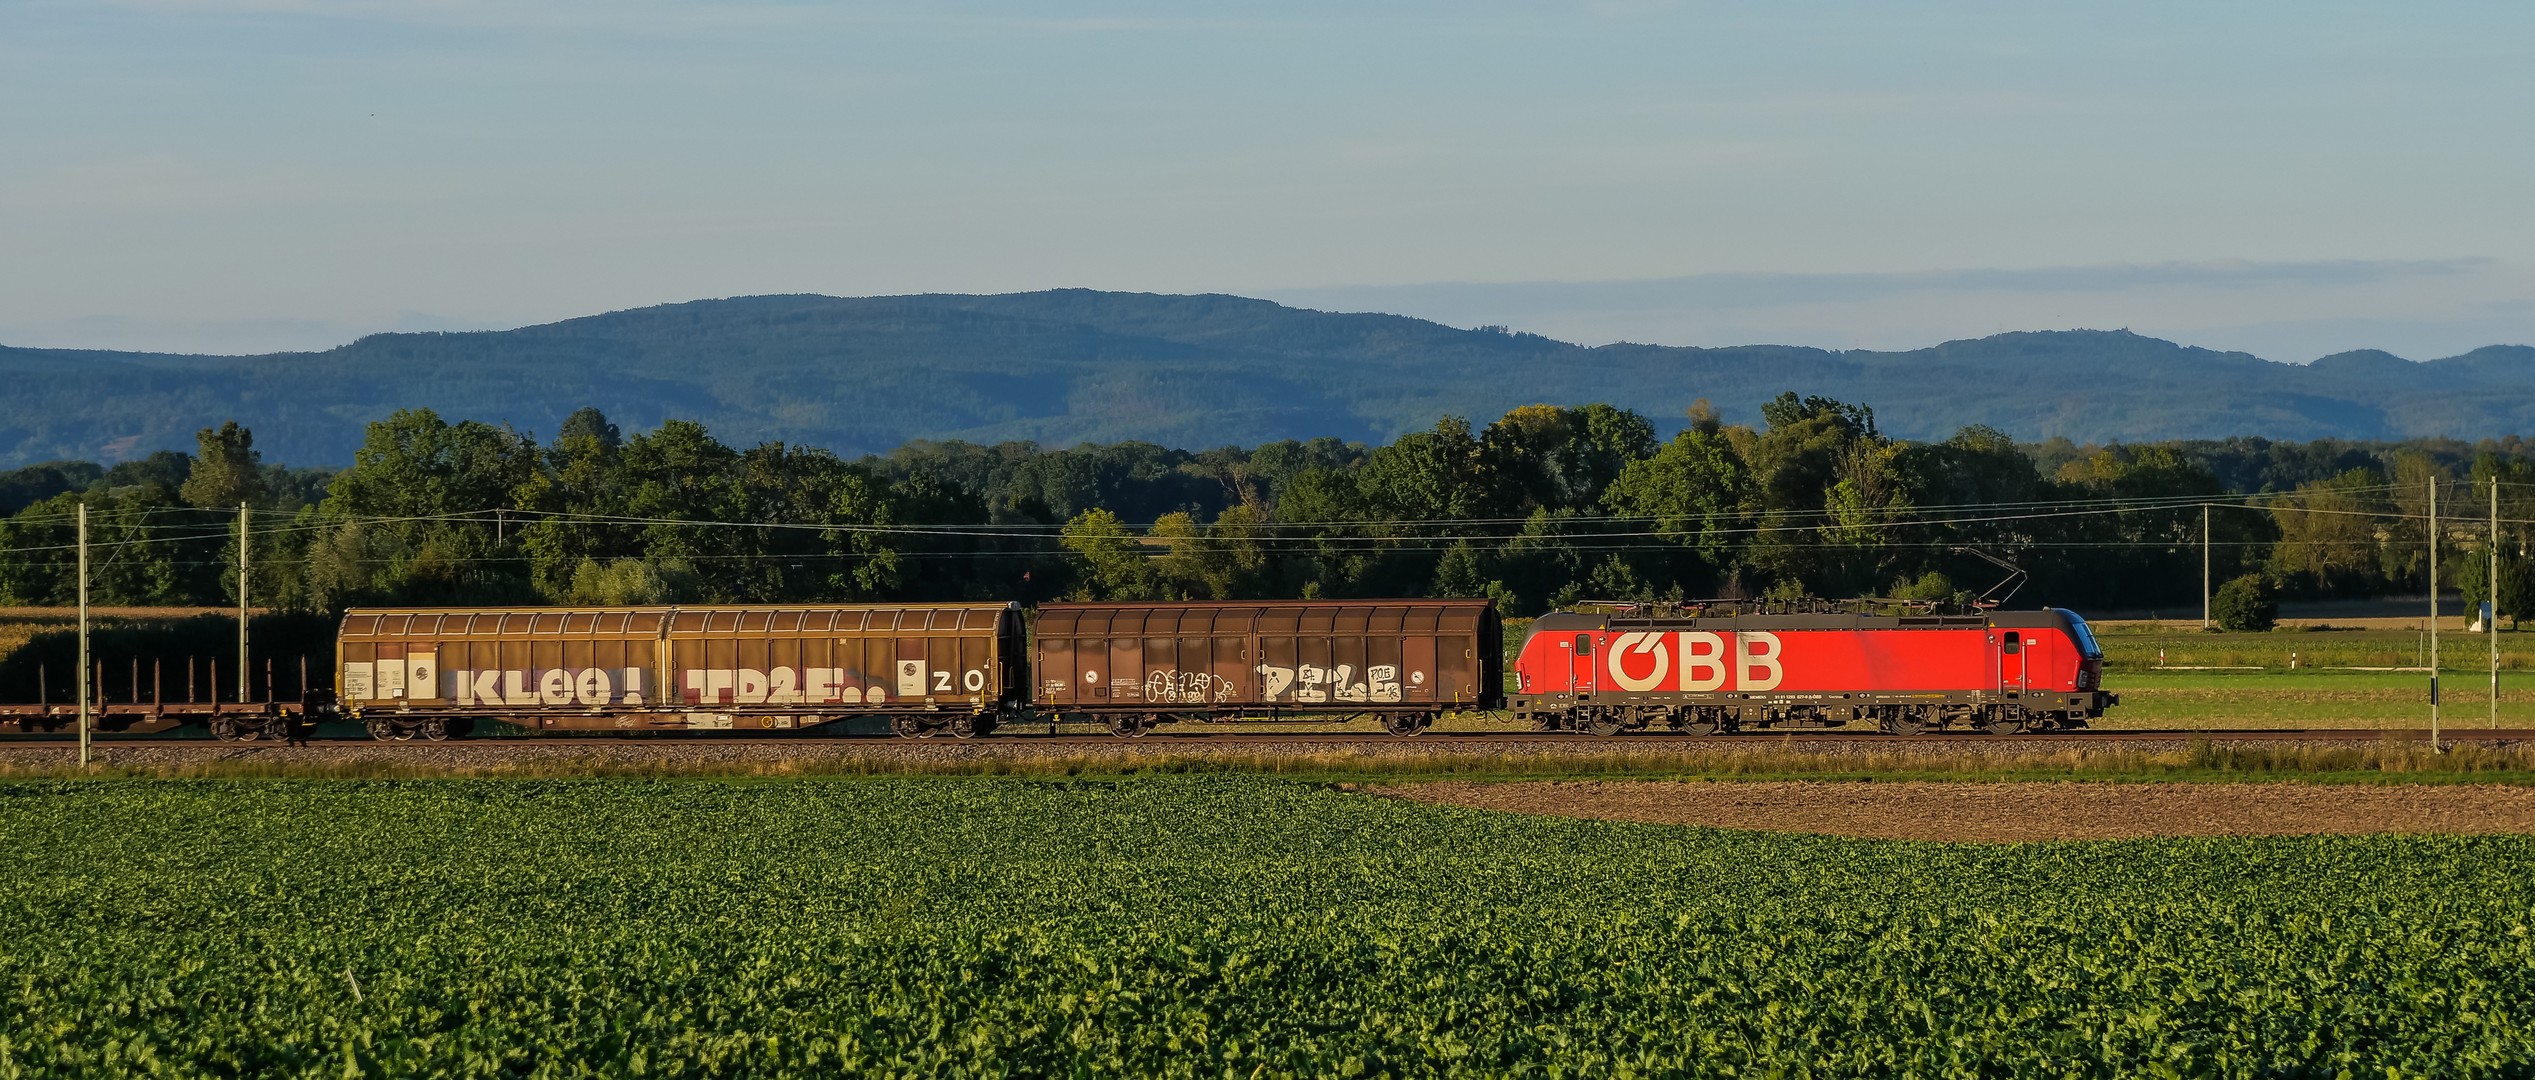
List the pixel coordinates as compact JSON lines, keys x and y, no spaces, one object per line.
{"x":1702,"y":660}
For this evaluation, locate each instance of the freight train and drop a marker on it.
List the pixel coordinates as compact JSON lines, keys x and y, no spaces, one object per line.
{"x":965,"y":669}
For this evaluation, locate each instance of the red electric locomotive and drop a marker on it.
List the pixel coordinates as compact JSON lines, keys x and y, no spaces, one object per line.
{"x":1706,"y":670}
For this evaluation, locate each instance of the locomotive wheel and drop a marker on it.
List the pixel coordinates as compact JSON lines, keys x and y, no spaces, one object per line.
{"x":1702,"y":724}
{"x":2004,"y":723}
{"x":435,"y":730}
{"x":1604,"y":724}
{"x":1905,"y":722}
{"x":963,"y":727}
{"x":907,"y":727}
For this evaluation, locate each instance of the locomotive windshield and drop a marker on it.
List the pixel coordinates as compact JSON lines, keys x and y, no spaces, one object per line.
{"x":2085,"y":637}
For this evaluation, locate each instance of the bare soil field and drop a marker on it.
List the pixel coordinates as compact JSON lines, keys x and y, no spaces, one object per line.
{"x":2009,"y":811}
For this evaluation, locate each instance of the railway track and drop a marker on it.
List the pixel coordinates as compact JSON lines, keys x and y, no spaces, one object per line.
{"x":1161,"y":740}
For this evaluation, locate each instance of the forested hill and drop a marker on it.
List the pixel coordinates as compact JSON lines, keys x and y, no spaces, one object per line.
{"x":868,"y":374}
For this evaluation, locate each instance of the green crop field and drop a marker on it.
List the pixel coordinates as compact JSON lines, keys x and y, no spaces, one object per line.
{"x":2303,"y":699}
{"x":1195,"y":926}
{"x":2142,"y":647}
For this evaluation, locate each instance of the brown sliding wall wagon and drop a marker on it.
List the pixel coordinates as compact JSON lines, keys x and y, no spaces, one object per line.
{"x":925,"y":668}
{"x":1135,"y":665}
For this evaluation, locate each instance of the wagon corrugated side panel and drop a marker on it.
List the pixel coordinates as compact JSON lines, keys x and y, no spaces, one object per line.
{"x":563,"y":668}
{"x":1279,"y":656}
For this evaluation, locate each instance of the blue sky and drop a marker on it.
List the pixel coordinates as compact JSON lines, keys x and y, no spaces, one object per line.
{"x":2291,"y":178}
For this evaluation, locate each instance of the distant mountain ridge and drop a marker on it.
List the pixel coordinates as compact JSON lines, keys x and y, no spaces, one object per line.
{"x":866,"y":374}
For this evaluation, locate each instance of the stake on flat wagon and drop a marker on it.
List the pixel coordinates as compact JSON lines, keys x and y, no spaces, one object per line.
{"x":2433,"y":614}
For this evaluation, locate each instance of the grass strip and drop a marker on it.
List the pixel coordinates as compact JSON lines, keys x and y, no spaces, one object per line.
{"x":2390,"y":760}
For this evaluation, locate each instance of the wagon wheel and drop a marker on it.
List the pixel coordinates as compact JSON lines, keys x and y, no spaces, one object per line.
{"x":1905,"y":721}
{"x":963,"y":727}
{"x":2004,"y":722}
{"x":224,"y":729}
{"x":1125,"y":726}
{"x":1402,"y":724}
{"x":435,"y":729}
{"x":1702,"y":723}
{"x":908,"y":727}
{"x":243,"y":733}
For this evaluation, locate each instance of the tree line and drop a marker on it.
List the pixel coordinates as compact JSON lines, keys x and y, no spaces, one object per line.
{"x":1543,"y":507}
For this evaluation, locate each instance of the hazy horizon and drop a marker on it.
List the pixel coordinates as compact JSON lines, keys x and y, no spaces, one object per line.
{"x":1882,"y":312}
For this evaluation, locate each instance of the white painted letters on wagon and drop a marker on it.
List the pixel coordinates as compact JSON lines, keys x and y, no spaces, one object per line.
{"x":540,"y":686}
{"x":778,"y":686}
